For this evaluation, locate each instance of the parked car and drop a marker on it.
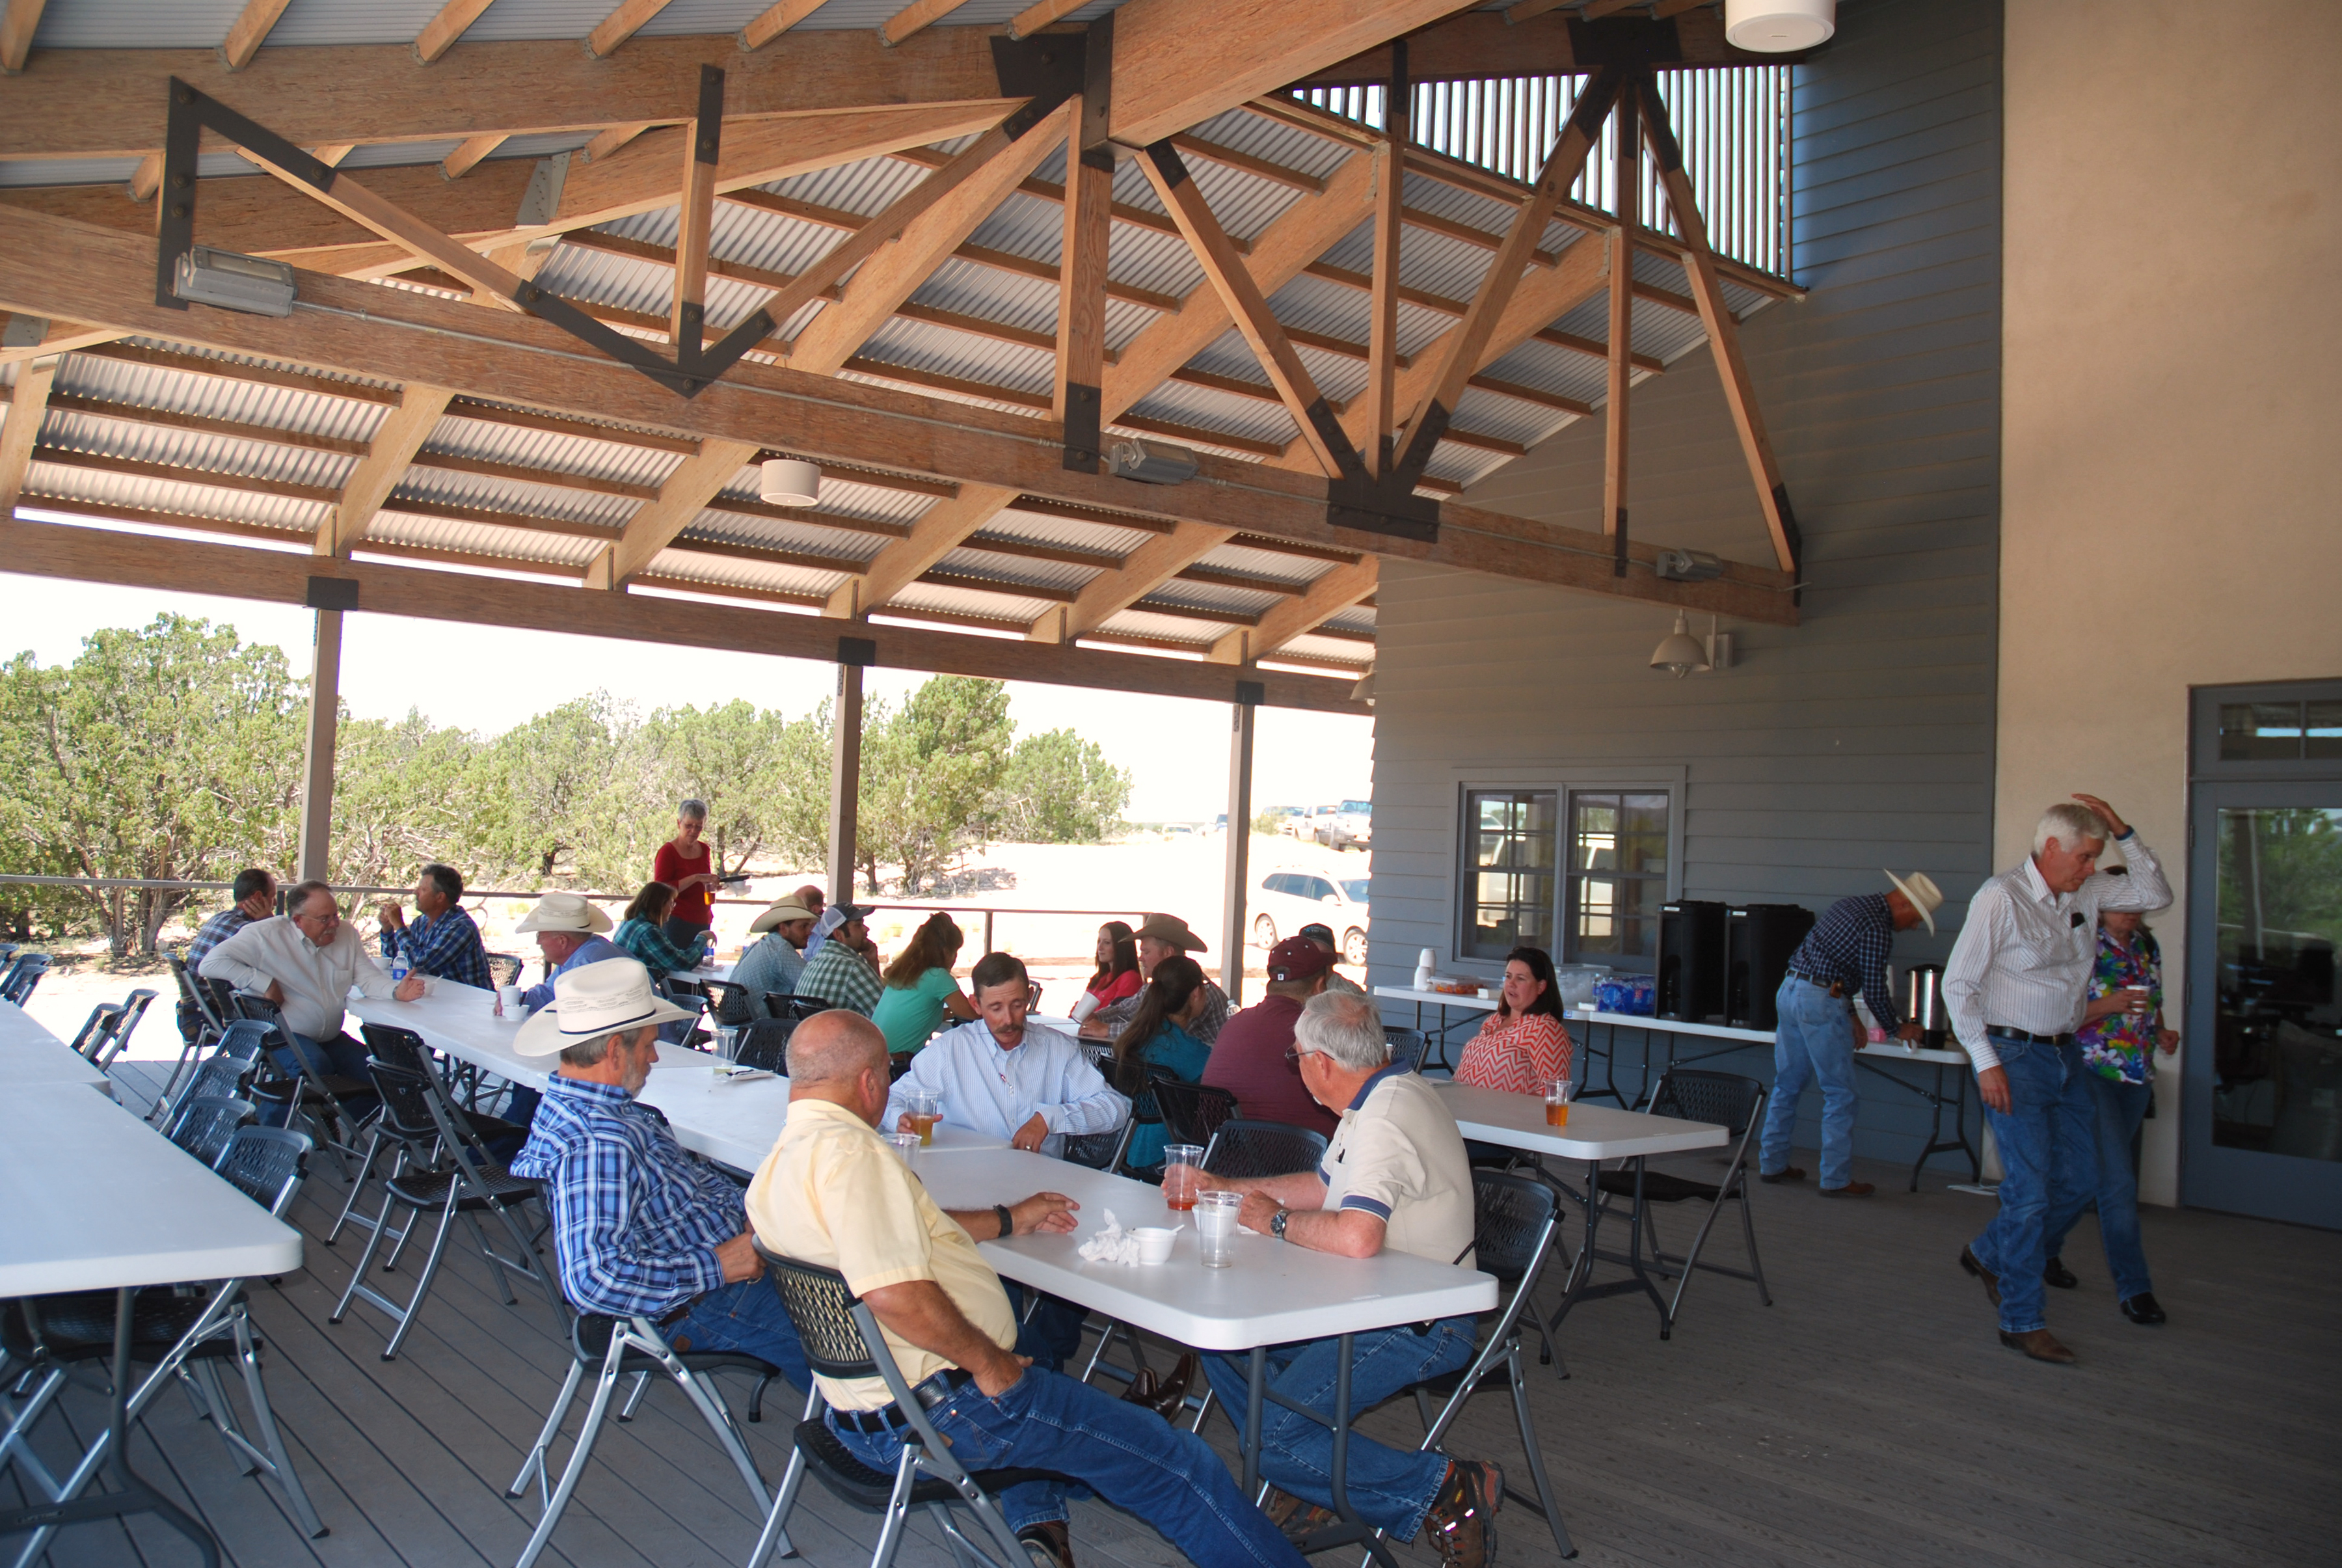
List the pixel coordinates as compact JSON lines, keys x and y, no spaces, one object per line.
{"x":1350,"y":827}
{"x":1305,"y":826}
{"x":1290,"y":898}
{"x":1284,"y":817}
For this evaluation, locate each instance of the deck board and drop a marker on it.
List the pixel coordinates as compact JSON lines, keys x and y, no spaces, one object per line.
{"x":1869,"y":1417}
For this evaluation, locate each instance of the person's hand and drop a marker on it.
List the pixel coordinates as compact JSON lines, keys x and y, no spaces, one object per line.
{"x":2103,"y":810}
{"x":1093,"y":1027}
{"x":2106,"y":1006}
{"x":1993,"y":1084}
{"x":902,"y":1123}
{"x":1258,"y":1209}
{"x":1048,"y":1213}
{"x":1029,"y":1136}
{"x":739,"y":1259}
{"x":409,"y":989}
{"x":2166,"y":1040}
{"x":393,"y":917}
{"x":1911,"y":1032}
{"x":274,"y":993}
{"x":999,"y":1374}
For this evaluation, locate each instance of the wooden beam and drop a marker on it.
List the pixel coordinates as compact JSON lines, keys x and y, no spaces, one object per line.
{"x":620,"y":25}
{"x":1468,"y":45}
{"x":937,"y":532}
{"x":1333,"y":592}
{"x":774,"y":21}
{"x":1594,"y":348}
{"x":1178,"y":611}
{"x":1262,"y":168}
{"x":681,"y":499}
{"x":1144,"y":570}
{"x":1626,"y":172}
{"x":976,"y":584}
{"x":249,"y":31}
{"x":401,"y":435}
{"x":845,"y":779}
{"x":1520,"y":11}
{"x":1321,"y":431}
{"x":779,"y":557}
{"x":1723,"y":335}
{"x":21,"y":20}
{"x":1077,"y":395}
{"x":914,"y":17}
{"x":1245,"y":580}
{"x":611,"y":140}
{"x":442,"y":30}
{"x":458,"y":164}
{"x":1039,"y":15}
{"x":20,"y":436}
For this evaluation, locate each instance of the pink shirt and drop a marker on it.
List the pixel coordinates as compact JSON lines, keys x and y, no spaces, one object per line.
{"x":1518,"y":1055}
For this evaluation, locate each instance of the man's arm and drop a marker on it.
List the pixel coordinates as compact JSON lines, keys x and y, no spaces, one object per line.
{"x":593,"y":1188}
{"x":372,"y":980}
{"x":234,"y":961}
{"x":926,"y":1073}
{"x":1344,"y":1232}
{"x":1051,"y":1213}
{"x":1875,"y":990}
{"x":1090,"y":1104}
{"x":917,"y":1311}
{"x":1980,"y":935}
{"x":1300,"y":1189}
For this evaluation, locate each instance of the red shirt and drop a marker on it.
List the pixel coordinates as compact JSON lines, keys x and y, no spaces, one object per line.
{"x":695,"y":904}
{"x":1249,"y":1061}
{"x":1127,"y":983}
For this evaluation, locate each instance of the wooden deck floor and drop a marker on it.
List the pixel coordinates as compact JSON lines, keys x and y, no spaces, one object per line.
{"x":1869,"y":1417}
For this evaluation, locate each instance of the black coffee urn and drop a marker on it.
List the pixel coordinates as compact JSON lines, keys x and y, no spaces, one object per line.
{"x":1690,"y":984}
{"x":1758,"y":940}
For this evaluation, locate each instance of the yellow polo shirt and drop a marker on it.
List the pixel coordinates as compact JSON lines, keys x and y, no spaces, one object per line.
{"x":832,"y":1193}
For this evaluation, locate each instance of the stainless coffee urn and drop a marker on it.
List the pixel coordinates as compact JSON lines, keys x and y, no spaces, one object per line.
{"x":1924,"y":1004}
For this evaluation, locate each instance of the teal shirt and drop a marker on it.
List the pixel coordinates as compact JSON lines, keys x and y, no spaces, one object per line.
{"x":909,"y":1017}
{"x":1185,"y":1055}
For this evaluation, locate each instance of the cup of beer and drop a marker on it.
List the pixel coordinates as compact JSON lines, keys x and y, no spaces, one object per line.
{"x":926,"y":1108}
{"x":1183,"y":1175}
{"x":1557,"y":1101}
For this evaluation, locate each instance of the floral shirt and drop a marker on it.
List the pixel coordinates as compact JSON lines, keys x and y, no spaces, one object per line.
{"x":2122,"y":1046}
{"x":1518,"y":1055}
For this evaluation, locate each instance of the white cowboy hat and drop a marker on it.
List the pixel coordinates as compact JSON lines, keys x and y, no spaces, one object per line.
{"x":779,"y":911}
{"x":563,"y":912}
{"x":1925,"y":896}
{"x":592,"y":1000}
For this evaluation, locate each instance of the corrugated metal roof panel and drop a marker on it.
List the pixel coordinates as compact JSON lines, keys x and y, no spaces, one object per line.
{"x":153,"y":386}
{"x":850,"y":550}
{"x":217,"y":166}
{"x":226,"y":361}
{"x":879,"y":378}
{"x":923,"y":346}
{"x":390,"y":526}
{"x":1215,"y":597}
{"x":1025,"y":225}
{"x":1160,"y":262}
{"x":601,"y":278}
{"x":1332,"y":650}
{"x":1197,"y":634}
{"x":976,"y":561}
{"x":1274,"y":141}
{"x":866,"y":186}
{"x":1030,"y":303}
{"x":137,"y":24}
{"x":846,"y":500}
{"x":1218,"y":411}
{"x":1295,"y":569}
{"x":1005,"y":607}
{"x":496,"y":495}
{"x":76,"y":432}
{"x":1507,"y":418}
{"x":1034,"y":528}
{"x":549,"y":449}
{"x":65,"y":485}
{"x":719,"y":572}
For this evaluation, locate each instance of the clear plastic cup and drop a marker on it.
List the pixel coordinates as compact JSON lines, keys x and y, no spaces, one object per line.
{"x":1183,"y":1175}
{"x":1557,"y":1101}
{"x":907,"y":1146}
{"x":926,"y":1108}
{"x":1215,"y":1227}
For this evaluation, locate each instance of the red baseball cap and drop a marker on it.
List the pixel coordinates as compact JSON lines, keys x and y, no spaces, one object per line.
{"x":1298,"y":958}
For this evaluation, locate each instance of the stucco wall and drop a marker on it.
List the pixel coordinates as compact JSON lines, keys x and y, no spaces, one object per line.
{"x":2171,"y":492}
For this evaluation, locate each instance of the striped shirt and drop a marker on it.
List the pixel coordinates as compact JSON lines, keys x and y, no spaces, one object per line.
{"x":2024,"y":956}
{"x":1204,"y":1026}
{"x":839,"y":975}
{"x":1850,"y":944}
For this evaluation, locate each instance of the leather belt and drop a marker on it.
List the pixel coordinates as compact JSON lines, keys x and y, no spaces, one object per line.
{"x":890,"y":1417}
{"x":677,"y":1314}
{"x":2029,"y":1038}
{"x":1836,"y":988}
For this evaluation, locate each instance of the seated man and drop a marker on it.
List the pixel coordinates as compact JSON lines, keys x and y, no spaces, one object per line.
{"x":254,"y":896}
{"x":1159,"y":937}
{"x":773,"y":965}
{"x":569,"y":935}
{"x":832,"y":1193}
{"x":1395,"y":1177}
{"x":442,"y":942}
{"x":1253,"y":1059}
{"x":1031,"y":1086}
{"x":640,"y":1228}
{"x":1323,"y":935}
{"x":305,"y":960}
{"x":838,"y":973}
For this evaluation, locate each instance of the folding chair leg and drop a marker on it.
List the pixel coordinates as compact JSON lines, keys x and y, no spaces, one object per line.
{"x":1749,"y":1230}
{"x":635,"y":1396}
{"x":579,"y":1453}
{"x":357,"y":1187}
{"x":534,"y":1463}
{"x":898,"y":1504}
{"x":279,"y":1463}
{"x":380,"y":1229}
{"x":774,"y":1535}
{"x":1690,"y":1263}
{"x":223,"y":1419}
{"x":414,"y":1306}
{"x":496,"y":1264}
{"x":719,"y":1415}
{"x":1545,"y":1497}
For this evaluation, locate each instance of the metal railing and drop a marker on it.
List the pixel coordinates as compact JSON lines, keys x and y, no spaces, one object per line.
{"x":1733,"y":126}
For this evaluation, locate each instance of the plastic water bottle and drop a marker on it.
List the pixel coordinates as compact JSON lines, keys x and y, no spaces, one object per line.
{"x":398,"y":966}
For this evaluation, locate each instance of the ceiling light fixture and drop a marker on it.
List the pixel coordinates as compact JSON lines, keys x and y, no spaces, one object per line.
{"x":1778,"y":26}
{"x":788,"y":482}
{"x":1679,"y":653}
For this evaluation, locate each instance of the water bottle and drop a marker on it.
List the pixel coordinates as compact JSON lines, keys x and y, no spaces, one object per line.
{"x":398,"y":964}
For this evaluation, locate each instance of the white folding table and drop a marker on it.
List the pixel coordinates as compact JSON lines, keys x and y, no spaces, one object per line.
{"x":97,"y":1200}
{"x":30,"y":1054}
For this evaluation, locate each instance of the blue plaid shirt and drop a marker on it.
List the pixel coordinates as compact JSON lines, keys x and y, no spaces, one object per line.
{"x":635,"y":1220}
{"x":1850,"y":943}
{"x":447,"y":946}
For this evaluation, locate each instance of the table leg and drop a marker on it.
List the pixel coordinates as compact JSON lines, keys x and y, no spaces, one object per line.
{"x":1610,"y":1056}
{"x":1581,"y":1267}
{"x":1256,"y":1392}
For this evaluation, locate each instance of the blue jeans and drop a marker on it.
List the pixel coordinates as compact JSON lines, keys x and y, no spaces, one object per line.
{"x":1815,"y":1042}
{"x":1052,"y":1336}
{"x":1132,"y":1457}
{"x":1390,"y":1488}
{"x":2118,"y":1108}
{"x":340,"y":1056}
{"x":746,"y":1316}
{"x":2049,"y":1162}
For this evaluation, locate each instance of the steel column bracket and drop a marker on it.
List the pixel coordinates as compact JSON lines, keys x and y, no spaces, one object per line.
{"x":1386,"y":506}
{"x":1047,"y":68}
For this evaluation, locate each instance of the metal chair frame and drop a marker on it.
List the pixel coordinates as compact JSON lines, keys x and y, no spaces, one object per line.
{"x":733,"y":1004}
{"x":413,"y":1148}
{"x":308,"y":1086}
{"x":1405,"y":1046}
{"x":505,"y":968}
{"x":204,"y":1124}
{"x":24,"y":972}
{"x":125,"y":1023}
{"x":1695,"y":1094}
{"x":1245,"y":1148}
{"x":95,"y":1029}
{"x":764,"y":1043}
{"x":209,"y":1027}
{"x":1191,"y":1112}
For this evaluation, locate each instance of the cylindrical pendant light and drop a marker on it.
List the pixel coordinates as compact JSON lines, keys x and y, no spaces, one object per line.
{"x":790,"y":483}
{"x":1778,"y":26}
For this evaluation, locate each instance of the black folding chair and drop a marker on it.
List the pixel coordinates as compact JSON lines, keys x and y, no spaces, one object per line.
{"x":204,"y":1124}
{"x":503,"y":969}
{"x":314,"y":1095}
{"x":104,"y":1039}
{"x":1191,"y":1112}
{"x":765,"y":1043}
{"x":842,"y":1340}
{"x":798,"y":1008}
{"x":200,"y":1025}
{"x":731,"y":1004}
{"x":412,"y":1142}
{"x":22,"y":974}
{"x":1244,"y":1148}
{"x":1737,"y":1103}
{"x":1406,"y":1047}
{"x":95,"y":1029}
{"x":1100,"y":1150}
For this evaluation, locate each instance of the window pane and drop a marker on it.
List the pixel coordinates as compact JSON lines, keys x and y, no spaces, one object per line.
{"x":1510,"y":854}
{"x":1618,"y":861}
{"x":2279,"y":1019}
{"x":1643,"y":835}
{"x":2261,"y":731}
{"x":2322,"y":734}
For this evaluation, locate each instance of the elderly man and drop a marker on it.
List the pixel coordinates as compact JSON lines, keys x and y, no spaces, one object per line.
{"x":1323,"y":935}
{"x":442,"y":940}
{"x":569,"y":930}
{"x":774,"y":964}
{"x":1160,"y":937}
{"x":2016,"y":988}
{"x":1031,"y":1086}
{"x":252,"y":897}
{"x":640,"y":1228}
{"x":1844,"y":952}
{"x":1395,"y":1176}
{"x":832,"y":1193}
{"x":305,"y":960}
{"x":837,"y":972}
{"x":1254,"y":1060}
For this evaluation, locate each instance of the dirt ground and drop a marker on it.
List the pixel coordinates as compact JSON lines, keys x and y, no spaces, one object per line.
{"x":1182,"y":875}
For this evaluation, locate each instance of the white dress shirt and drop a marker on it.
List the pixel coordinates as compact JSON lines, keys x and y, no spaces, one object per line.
{"x":317,"y":981}
{"x":995,"y":1092}
{"x":2023,"y":957}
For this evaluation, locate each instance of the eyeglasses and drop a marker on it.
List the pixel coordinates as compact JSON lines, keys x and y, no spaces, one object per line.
{"x":1293,"y":1053}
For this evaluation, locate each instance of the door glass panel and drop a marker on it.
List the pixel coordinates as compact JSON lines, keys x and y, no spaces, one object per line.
{"x":2278,"y":1052}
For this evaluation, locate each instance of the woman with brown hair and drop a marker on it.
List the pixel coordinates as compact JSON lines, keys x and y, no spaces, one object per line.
{"x":920,"y":988}
{"x":1117,"y":973}
{"x":641,"y":932}
{"x":1156,"y":1036}
{"x":1523,"y":1045}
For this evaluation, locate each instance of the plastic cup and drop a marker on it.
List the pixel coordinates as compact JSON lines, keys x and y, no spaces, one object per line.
{"x":1557,"y":1101}
{"x":508,"y":1003}
{"x":907,"y":1146}
{"x":1215,"y":1227}
{"x":925,"y":1109}
{"x":1153,"y":1243}
{"x":1183,"y":1175}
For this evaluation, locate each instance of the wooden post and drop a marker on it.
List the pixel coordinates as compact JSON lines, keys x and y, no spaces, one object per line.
{"x":1382,"y":333}
{"x":845,"y":781}
{"x":317,"y":766}
{"x":1078,"y":399}
{"x":1628,"y":165}
{"x":1243,"y":718}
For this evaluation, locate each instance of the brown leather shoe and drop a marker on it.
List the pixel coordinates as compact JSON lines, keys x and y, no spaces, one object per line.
{"x":1048,"y":1544}
{"x":1786,"y":1173}
{"x":1142,"y":1388}
{"x":1991,"y":1281}
{"x":1462,"y":1521}
{"x":1171,"y":1394}
{"x":2040,"y":1344}
{"x":1295,"y":1519}
{"x":1851,"y":1189}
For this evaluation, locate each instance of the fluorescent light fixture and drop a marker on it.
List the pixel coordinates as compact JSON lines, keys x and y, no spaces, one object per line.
{"x":1151,"y":462}
{"x":1778,"y":26}
{"x":788,"y":482}
{"x":251,"y":284}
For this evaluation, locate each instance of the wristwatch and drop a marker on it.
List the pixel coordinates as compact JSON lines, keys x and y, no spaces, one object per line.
{"x":1007,"y":1221}
{"x":1276,"y":1226}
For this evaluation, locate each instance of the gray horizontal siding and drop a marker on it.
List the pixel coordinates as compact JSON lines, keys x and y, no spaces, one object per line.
{"x":1861,"y":739}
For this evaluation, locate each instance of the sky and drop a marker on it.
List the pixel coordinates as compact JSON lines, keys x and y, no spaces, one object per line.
{"x":488,"y":678}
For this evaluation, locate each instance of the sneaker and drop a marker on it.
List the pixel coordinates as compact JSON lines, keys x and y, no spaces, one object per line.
{"x":1462,"y":1521}
{"x":1293,"y":1517}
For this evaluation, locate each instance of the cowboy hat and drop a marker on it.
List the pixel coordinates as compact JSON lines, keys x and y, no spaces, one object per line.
{"x":1172,"y":932}
{"x":563,"y":912}
{"x":1925,"y":896}
{"x":780,"y":911}
{"x":592,"y":1000}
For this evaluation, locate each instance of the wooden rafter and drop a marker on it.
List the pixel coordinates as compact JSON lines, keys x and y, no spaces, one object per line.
{"x":21,"y":435}
{"x":622,"y":24}
{"x":1335,"y":591}
{"x":1077,"y":396}
{"x":396,"y":443}
{"x":439,"y":34}
{"x":459,"y":162}
{"x":681,"y":499}
{"x":1144,"y":570}
{"x":776,"y":20}
{"x":1379,"y":428}
{"x":1040,"y":14}
{"x":915,"y":17}
{"x":939,"y":532}
{"x":1470,"y":44}
{"x":610,"y":141}
{"x":1627,"y":175}
{"x":695,"y":213}
{"x":249,"y":31}
{"x":18,"y":22}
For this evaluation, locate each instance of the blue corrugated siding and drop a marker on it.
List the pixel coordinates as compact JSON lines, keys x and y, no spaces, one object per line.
{"x":1863,"y":737}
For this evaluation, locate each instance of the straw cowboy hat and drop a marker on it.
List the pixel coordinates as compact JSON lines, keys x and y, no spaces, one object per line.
{"x":592,"y":1000}
{"x":1925,"y":896}
{"x":563,"y":912}
{"x":780,"y":912}
{"x":1172,"y":932}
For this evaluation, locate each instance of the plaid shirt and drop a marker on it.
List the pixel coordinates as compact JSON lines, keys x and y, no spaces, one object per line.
{"x":635,"y":1220}
{"x":447,"y":946}
{"x":647,"y":942}
{"x":839,"y":975}
{"x":213,"y":932}
{"x":1850,"y":943}
{"x":1204,"y":1026}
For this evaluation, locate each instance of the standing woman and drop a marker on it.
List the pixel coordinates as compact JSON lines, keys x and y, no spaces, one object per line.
{"x":684,"y":864}
{"x":1117,"y":973}
{"x":1523,"y":1045}
{"x":641,"y":932}
{"x":1156,"y":1036}
{"x":920,"y":988}
{"x":2122,"y":1028}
